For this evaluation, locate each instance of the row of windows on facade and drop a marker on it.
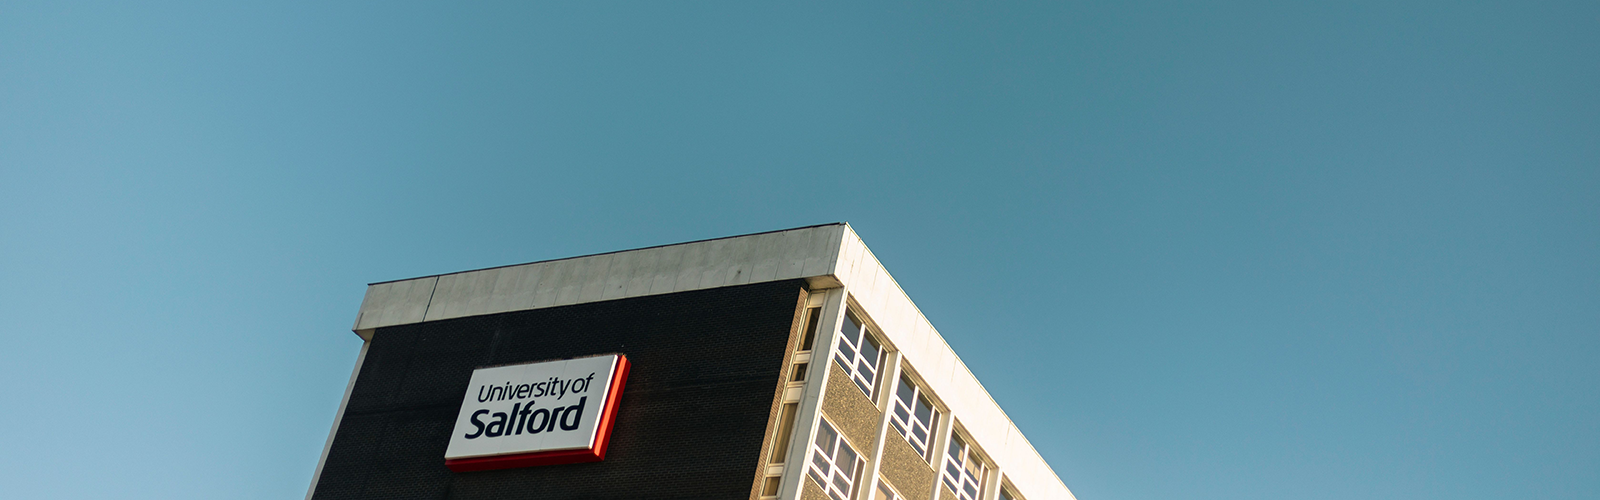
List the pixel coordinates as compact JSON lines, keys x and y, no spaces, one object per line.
{"x":835,"y":465}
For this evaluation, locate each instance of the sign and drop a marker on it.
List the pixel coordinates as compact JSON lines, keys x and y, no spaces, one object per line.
{"x":545,"y":413}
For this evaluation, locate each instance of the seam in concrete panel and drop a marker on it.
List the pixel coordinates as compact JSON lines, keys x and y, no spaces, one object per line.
{"x":429,"y":305}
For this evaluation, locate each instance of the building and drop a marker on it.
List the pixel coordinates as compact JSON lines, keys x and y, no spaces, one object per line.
{"x":779,"y":365}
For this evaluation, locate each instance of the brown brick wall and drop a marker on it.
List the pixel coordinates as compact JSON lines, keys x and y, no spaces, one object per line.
{"x":777,"y":398}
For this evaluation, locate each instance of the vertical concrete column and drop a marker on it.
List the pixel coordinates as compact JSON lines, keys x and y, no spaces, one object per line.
{"x":891,"y":378}
{"x":941,"y":447}
{"x":991,"y":486}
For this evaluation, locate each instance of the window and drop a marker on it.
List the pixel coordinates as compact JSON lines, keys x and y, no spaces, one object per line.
{"x":813,"y":318}
{"x":885,"y":492}
{"x":1006,"y":494}
{"x":780,"y":445}
{"x":834,"y":465}
{"x":913,"y":416}
{"x":963,"y":470}
{"x":859,"y":352}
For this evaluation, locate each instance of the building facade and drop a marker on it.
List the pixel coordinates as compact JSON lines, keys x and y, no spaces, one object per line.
{"x":781,"y":365}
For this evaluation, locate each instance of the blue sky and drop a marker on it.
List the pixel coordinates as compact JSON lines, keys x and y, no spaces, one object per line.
{"x":1203,"y":251}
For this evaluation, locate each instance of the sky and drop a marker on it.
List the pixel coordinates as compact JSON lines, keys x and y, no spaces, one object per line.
{"x":1196,"y":250}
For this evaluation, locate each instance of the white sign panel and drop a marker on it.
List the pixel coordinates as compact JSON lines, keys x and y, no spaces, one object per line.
{"x":554,"y":410}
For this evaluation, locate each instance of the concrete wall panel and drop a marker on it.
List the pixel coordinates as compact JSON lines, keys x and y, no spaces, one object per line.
{"x":905,"y":470}
{"x":811,"y":491}
{"x":851,"y":412}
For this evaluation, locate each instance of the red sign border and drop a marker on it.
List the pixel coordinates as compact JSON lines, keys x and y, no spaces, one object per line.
{"x":608,"y":418}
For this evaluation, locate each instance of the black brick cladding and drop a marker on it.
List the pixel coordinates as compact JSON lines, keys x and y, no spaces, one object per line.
{"x":690,"y":424}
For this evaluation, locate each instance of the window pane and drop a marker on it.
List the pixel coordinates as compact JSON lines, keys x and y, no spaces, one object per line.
{"x":847,"y":352}
{"x":924,"y":410}
{"x":845,"y":458}
{"x":825,"y":437}
{"x":884,"y":493}
{"x":870,"y":350}
{"x":813,"y":320}
{"x":780,"y":447}
{"x":867,"y":371}
{"x":851,"y":328}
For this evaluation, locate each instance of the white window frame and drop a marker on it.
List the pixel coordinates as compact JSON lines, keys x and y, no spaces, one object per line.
{"x":961,"y":458}
{"x":824,"y":467}
{"x":1008,"y":493}
{"x":903,"y":416}
{"x":862,"y":371}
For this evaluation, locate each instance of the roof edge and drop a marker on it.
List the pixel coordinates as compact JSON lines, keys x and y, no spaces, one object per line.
{"x":841,"y":223}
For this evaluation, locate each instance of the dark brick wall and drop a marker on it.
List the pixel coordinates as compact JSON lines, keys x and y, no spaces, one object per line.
{"x":690,"y":425}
